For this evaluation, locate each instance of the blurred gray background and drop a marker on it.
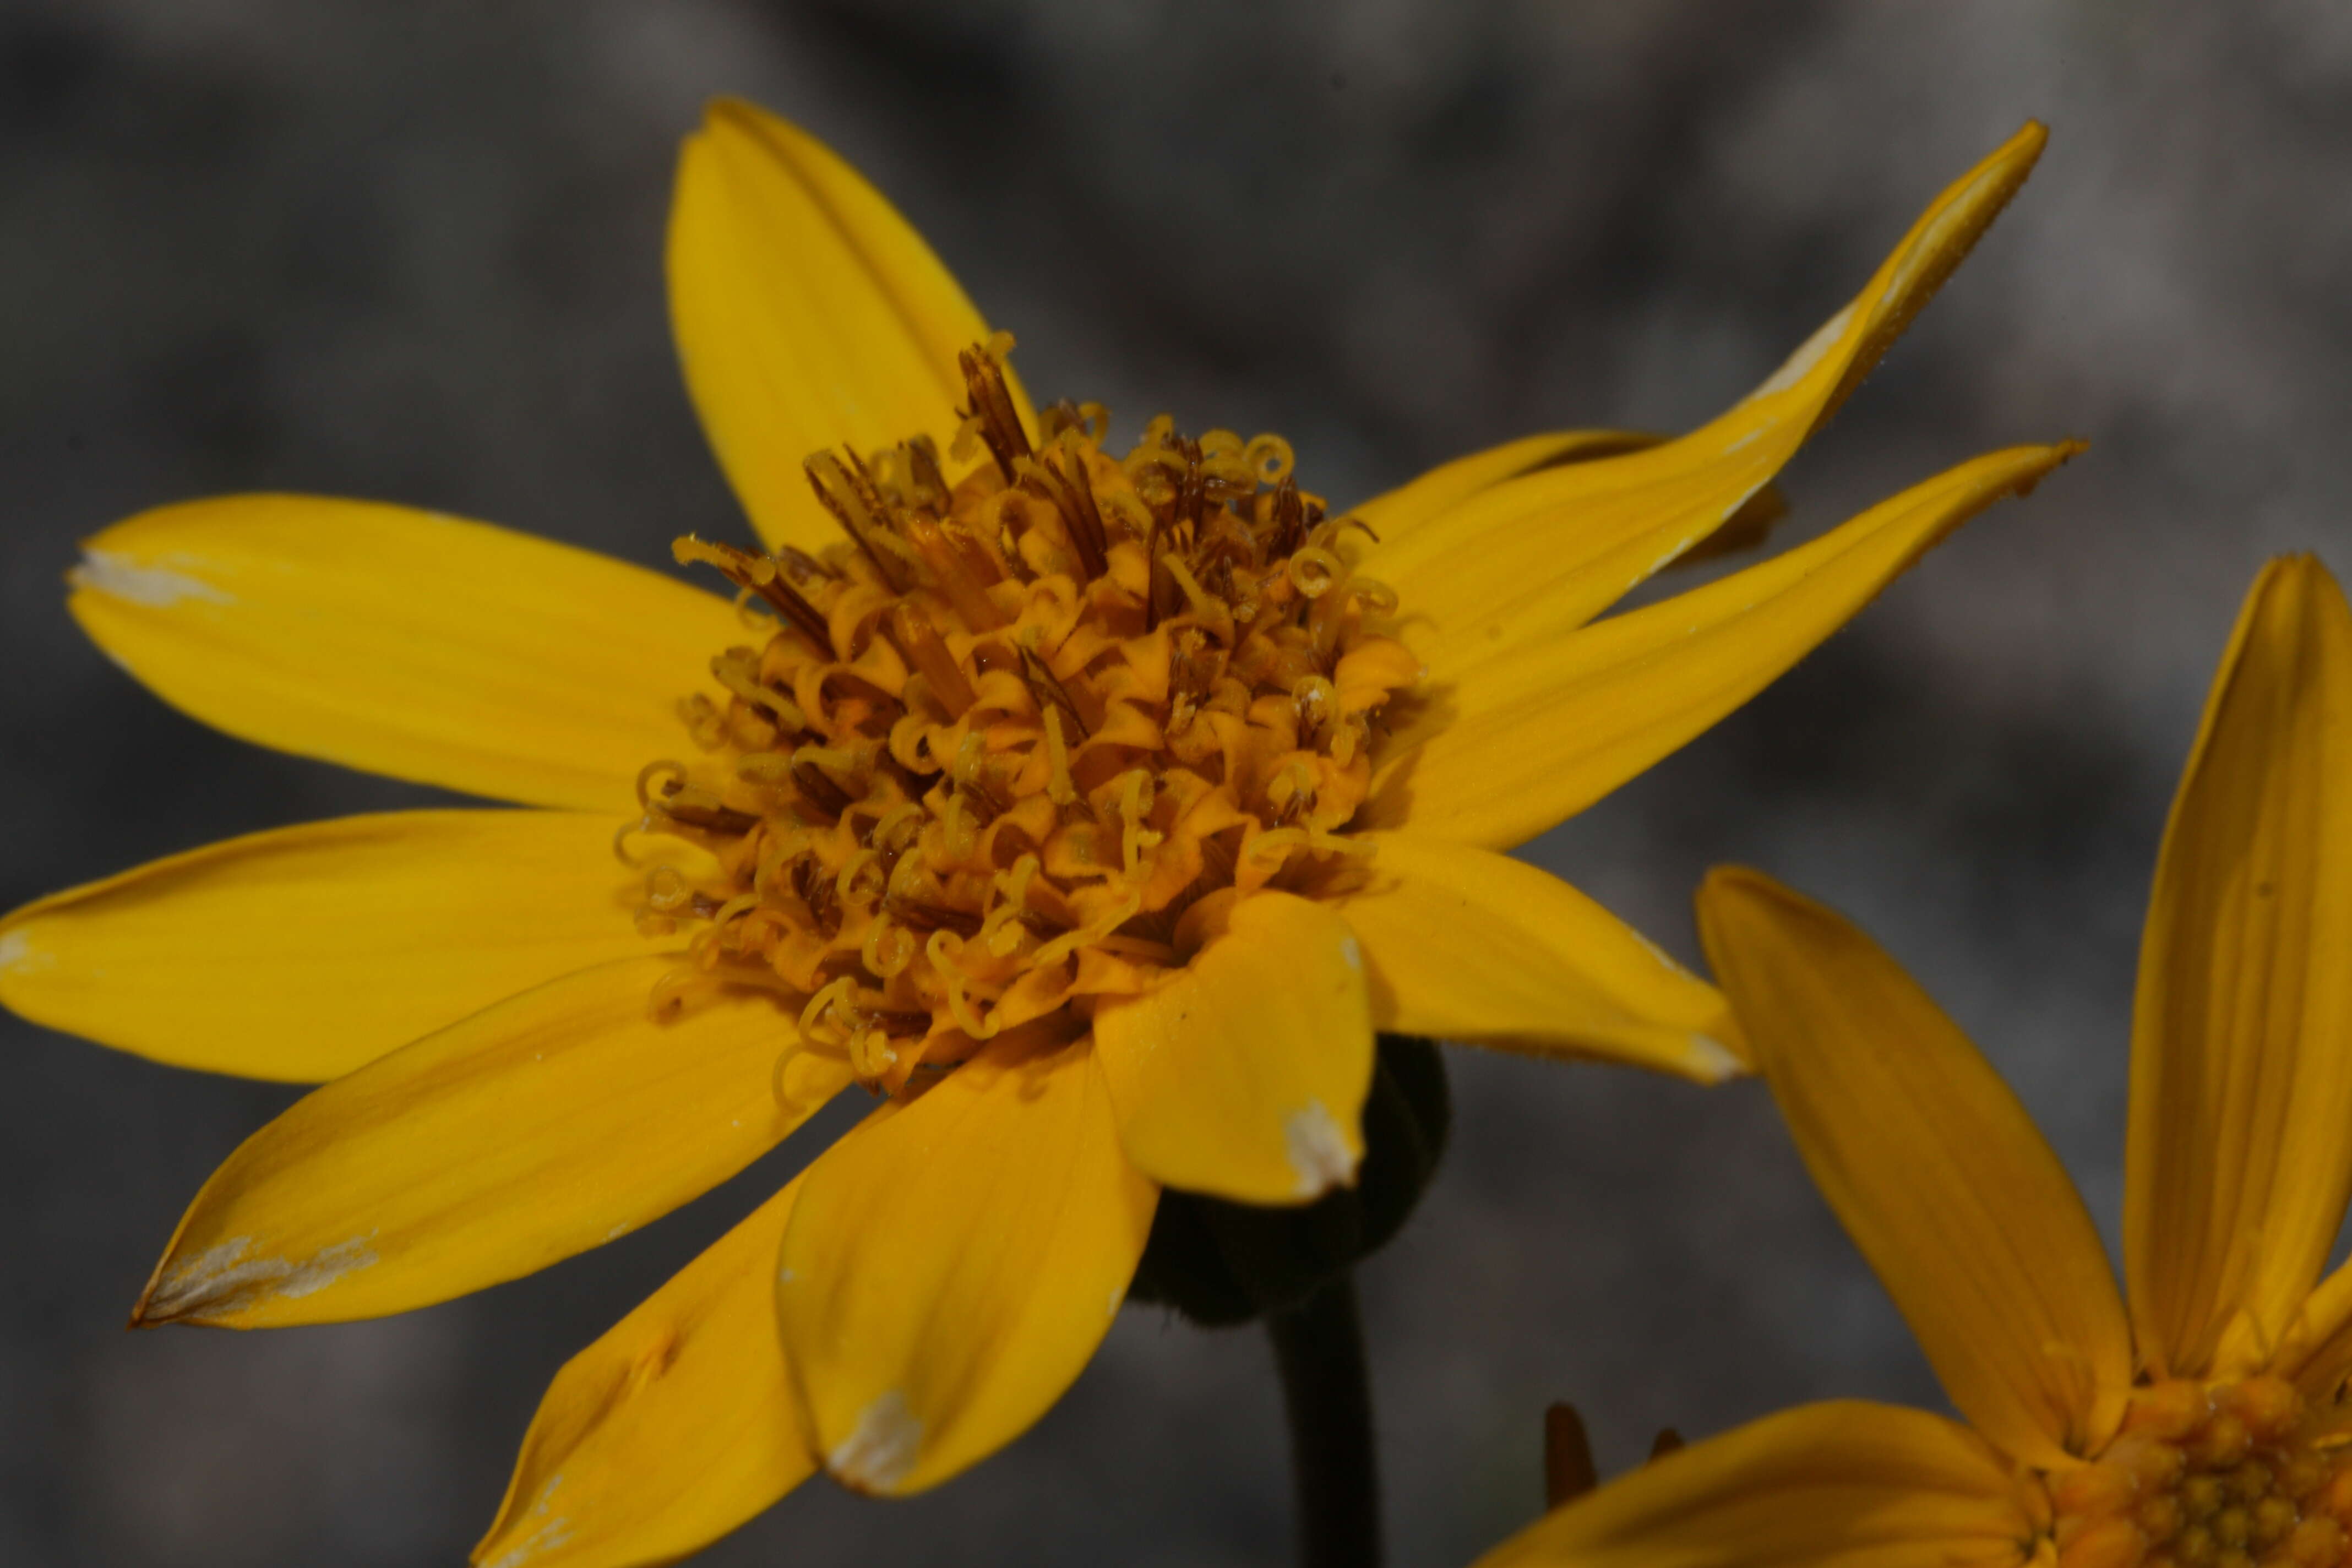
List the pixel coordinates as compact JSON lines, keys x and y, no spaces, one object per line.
{"x":414,"y":252}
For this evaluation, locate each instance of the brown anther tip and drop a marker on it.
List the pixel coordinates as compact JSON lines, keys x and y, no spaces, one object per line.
{"x":845,"y":491}
{"x":1667,"y":1441}
{"x":992,"y":404}
{"x":143,"y":1314}
{"x":1567,"y":1455}
{"x":720,"y":819}
{"x":912,"y":632}
{"x":1047,"y":687}
{"x":819,"y":789}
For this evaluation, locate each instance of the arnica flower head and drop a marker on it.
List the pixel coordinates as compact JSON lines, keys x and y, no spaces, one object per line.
{"x":2199,"y":1418}
{"x":1092,"y":808}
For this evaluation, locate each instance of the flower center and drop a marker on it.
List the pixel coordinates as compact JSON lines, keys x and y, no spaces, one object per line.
{"x":1014,"y":745}
{"x":2212,"y":1475}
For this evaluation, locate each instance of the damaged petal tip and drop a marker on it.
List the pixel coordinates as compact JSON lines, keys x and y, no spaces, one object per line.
{"x":1319,"y":1150}
{"x":137,"y":582}
{"x":1712,"y":1062}
{"x":880,"y":1451}
{"x":16,"y":952}
{"x":227,"y":1282}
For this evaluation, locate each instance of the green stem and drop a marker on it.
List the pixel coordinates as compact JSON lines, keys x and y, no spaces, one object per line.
{"x":1319,"y":1345}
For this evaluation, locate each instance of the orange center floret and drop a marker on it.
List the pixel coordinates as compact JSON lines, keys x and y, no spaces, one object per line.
{"x":1015,"y":745}
{"x":2212,"y":1475}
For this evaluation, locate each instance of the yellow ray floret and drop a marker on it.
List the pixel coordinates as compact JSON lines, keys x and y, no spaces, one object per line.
{"x":403,"y":642}
{"x":2208,"y":1427}
{"x":1029,"y":1229}
{"x":666,"y":1433}
{"x":548,"y":1124}
{"x":305,"y":953}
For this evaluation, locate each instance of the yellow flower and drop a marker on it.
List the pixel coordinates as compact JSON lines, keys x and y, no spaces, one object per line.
{"x":2205,"y":1425}
{"x":1095,"y":810}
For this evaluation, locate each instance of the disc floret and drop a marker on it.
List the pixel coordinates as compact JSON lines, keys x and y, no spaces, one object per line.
{"x":2226,"y":1475}
{"x":1014,"y":745}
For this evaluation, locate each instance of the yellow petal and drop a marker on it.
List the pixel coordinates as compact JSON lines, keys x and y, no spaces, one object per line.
{"x":809,"y":314}
{"x":544,"y":1126}
{"x":405,"y":643}
{"x":1522,"y":561}
{"x":1465,"y":944}
{"x":1521,"y":743}
{"x":2315,"y":1352}
{"x":306,"y":952}
{"x":673,"y":1429}
{"x":1394,"y":513}
{"x":1841,"y":1485}
{"x":2238,"y":1163}
{"x":954,"y":1263}
{"x":1937,"y":1171}
{"x":1245,"y":1076}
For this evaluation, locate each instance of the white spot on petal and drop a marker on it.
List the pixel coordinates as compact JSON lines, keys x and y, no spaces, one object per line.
{"x":1714,"y":1060}
{"x":1352,"y":951}
{"x":877,"y":1455}
{"x":1809,"y":355}
{"x":1319,"y":1150}
{"x":222,"y":1281}
{"x":159,"y":587}
{"x":18,"y":955}
{"x":551,"y":1531}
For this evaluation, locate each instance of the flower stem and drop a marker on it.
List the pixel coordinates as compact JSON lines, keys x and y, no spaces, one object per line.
{"x":1318,"y":1346}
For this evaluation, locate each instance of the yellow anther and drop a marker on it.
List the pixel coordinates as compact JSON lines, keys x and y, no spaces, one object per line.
{"x":837,"y":1001}
{"x":1134,"y":802}
{"x":1091,"y":934}
{"x":870,"y":1056}
{"x":676,"y":990}
{"x":1292,"y":783}
{"x":1270,"y":458}
{"x":895,"y":823}
{"x":1204,"y":605}
{"x":667,"y":889}
{"x":964,"y":769}
{"x":741,"y":678}
{"x":967,"y":1016}
{"x":703,"y":721}
{"x":1373,"y":597}
{"x":1001,"y":928}
{"x":733,"y":909}
{"x":919,"y":639}
{"x":1314,"y":571}
{"x":652,"y":777}
{"x":885,"y":959}
{"x":862,"y":866}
